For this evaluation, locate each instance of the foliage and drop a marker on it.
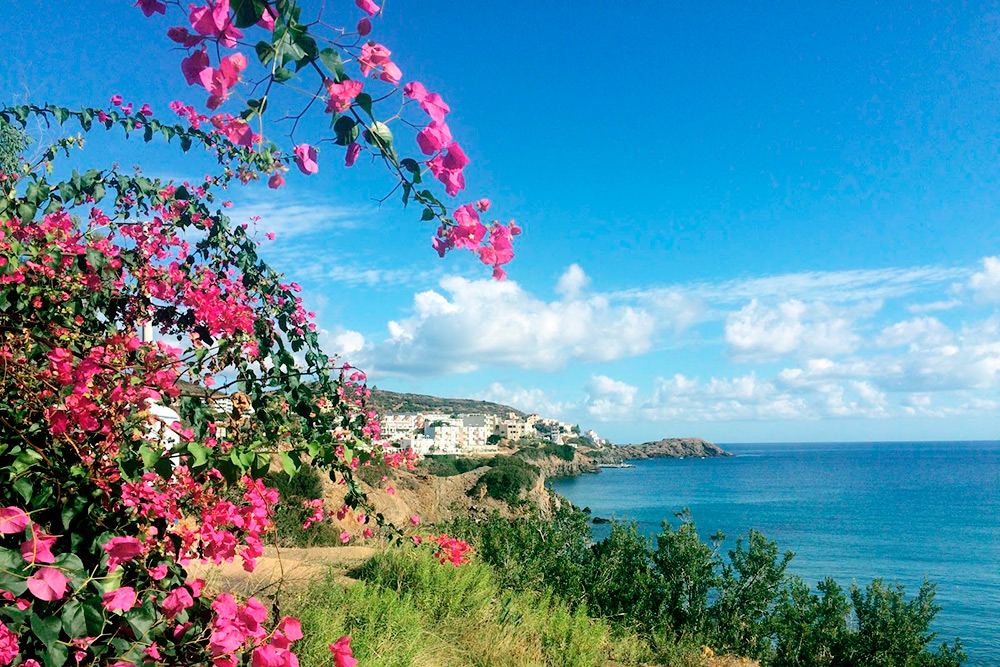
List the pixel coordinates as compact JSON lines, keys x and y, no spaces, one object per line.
{"x":103,"y":504}
{"x":681,"y":593}
{"x":408,"y":611}
{"x":13,"y":142}
{"x":291,"y":513}
{"x":544,"y":449}
{"x":532,"y":552}
{"x":449,"y":465}
{"x":507,"y":479}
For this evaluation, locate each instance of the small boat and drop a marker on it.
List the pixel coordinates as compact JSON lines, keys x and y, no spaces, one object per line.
{"x":620,"y":464}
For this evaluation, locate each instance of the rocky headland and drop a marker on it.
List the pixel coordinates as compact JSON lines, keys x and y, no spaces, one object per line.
{"x":675,"y":448}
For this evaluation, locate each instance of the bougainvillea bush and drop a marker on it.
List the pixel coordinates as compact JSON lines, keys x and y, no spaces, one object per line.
{"x":104,"y":502}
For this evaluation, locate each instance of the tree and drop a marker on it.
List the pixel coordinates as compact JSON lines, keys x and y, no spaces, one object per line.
{"x":98,"y":521}
{"x":688,"y":567}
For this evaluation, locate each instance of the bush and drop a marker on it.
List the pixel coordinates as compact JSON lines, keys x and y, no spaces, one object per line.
{"x":408,"y":610}
{"x":290,"y":514}
{"x":449,"y":465}
{"x":507,"y":479}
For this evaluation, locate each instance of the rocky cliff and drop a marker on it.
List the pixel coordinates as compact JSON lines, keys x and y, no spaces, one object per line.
{"x":665,"y":448}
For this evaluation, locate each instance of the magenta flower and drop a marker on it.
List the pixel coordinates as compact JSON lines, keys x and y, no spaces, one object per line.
{"x":48,"y":584}
{"x":364,"y":27}
{"x":435,"y":106}
{"x":276,"y":181}
{"x":116,"y":100}
{"x":183,"y":37}
{"x":122,"y":549}
{"x":415,"y":91}
{"x":177,"y":601}
{"x":214,"y":20}
{"x":121,"y":599}
{"x":13,"y":520}
{"x":367,"y":6}
{"x":305,"y":159}
{"x":150,"y":7}
{"x":353,"y":151}
{"x":8,"y":646}
{"x":434,"y":137}
{"x":193,"y":65}
{"x":39,"y":548}
{"x":342,"y":94}
{"x":343,"y":656}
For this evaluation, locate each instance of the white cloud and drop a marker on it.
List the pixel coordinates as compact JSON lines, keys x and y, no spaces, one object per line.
{"x":572,"y":281}
{"x":608,"y":399}
{"x":924,"y":331}
{"x":759,"y":331}
{"x":934,"y":306}
{"x":531,"y":400}
{"x":986,"y":283}
{"x":303,"y":218}
{"x":467,"y":324}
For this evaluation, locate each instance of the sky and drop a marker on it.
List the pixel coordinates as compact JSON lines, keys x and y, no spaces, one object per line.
{"x":774,"y":222}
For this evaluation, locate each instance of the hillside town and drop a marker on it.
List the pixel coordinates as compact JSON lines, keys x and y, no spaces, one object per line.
{"x":439,"y":433}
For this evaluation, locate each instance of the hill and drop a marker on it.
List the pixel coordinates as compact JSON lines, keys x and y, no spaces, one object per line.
{"x":383,"y":401}
{"x":665,"y":448}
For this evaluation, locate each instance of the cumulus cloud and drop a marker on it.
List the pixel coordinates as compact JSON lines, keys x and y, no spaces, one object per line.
{"x":572,"y":281}
{"x":609,"y":399}
{"x":986,"y":283}
{"x":467,"y":324}
{"x":761,"y":331}
{"x":531,"y":400}
{"x":924,"y":331}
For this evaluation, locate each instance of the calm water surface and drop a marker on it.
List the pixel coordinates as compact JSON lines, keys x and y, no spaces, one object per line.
{"x":853,"y":511}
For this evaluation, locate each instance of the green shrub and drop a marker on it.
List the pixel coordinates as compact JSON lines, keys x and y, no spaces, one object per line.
{"x":506,"y":480}
{"x":449,"y":465}
{"x":289,"y":514}
{"x":407,"y":609}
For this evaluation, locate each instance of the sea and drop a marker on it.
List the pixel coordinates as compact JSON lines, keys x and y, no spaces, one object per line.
{"x":902,"y":511}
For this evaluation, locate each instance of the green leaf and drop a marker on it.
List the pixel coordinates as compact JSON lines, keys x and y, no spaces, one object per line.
{"x":281,"y":74}
{"x":265,"y":52}
{"x":380,"y":136}
{"x":364,"y":100}
{"x":73,"y":620}
{"x":46,"y":629}
{"x":290,"y":464}
{"x":200,"y":454}
{"x":248,"y":12}
{"x":333,"y":62}
{"x":347,"y":130}
{"x":141,"y":619}
{"x":428,"y":214}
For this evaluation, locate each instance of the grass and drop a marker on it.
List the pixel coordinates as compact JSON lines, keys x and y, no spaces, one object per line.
{"x":408,"y":610}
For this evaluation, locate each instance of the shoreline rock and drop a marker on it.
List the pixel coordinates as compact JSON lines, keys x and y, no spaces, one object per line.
{"x":665,"y":448}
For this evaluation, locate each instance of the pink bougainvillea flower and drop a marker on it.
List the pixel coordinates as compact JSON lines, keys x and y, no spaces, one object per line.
{"x":13,"y":520}
{"x":373,"y":55}
{"x":414,"y":519}
{"x":391,"y":73}
{"x":514,"y":229}
{"x":214,"y":20}
{"x":39,"y":548}
{"x":150,"y":7}
{"x":9,"y":647}
{"x":435,"y":106}
{"x":343,"y":656}
{"x":305,"y":159}
{"x":121,"y":599}
{"x":194,"y":65}
{"x":415,"y":91}
{"x":364,"y":27}
{"x":455,"y":159}
{"x":122,"y":549}
{"x":345,"y":537}
{"x":218,"y":80}
{"x":276,"y":181}
{"x":391,"y":491}
{"x":159,"y":572}
{"x":176,"y":601}
{"x":48,"y":584}
{"x":367,"y":6}
{"x":342,"y":94}
{"x":267,"y":19}
{"x":353,"y":151}
{"x":483,"y":205}
{"x":116,"y":100}
{"x":270,"y":236}
{"x":499,"y":273}
{"x":434,"y":137}
{"x":181,"y":35}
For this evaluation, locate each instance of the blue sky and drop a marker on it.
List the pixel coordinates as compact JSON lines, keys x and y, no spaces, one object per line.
{"x":775,"y":222}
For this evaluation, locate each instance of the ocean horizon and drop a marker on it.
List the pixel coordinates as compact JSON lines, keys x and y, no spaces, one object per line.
{"x":855,"y":511}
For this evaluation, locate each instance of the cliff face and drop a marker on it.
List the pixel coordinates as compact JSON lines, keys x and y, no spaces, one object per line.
{"x":665,"y":448}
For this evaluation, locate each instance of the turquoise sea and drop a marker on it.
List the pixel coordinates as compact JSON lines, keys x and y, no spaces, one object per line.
{"x":855,"y":511}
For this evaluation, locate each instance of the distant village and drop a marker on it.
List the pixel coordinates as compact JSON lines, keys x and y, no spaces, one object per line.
{"x":437,"y":433}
